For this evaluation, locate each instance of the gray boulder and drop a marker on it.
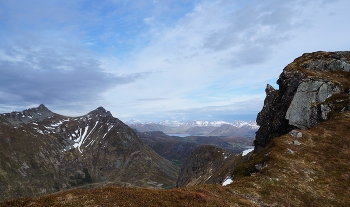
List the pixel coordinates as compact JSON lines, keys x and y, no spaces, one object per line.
{"x":305,"y":111}
{"x":296,"y":134}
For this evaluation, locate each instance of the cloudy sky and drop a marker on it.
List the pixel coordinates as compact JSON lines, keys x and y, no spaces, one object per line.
{"x":158,"y":59}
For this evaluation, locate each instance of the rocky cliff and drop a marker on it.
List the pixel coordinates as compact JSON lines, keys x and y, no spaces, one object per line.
{"x":43,"y":152}
{"x":310,"y":89}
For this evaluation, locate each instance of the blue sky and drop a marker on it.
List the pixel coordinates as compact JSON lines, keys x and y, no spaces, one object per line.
{"x":156,"y":60}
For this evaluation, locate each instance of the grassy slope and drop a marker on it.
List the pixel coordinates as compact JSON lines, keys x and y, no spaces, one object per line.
{"x":317,"y":173}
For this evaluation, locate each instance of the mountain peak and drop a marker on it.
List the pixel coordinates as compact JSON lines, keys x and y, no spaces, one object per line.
{"x":100,"y":111}
{"x":42,"y":107}
{"x":29,"y":115}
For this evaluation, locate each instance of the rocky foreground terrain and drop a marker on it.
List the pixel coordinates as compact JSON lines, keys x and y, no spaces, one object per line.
{"x":301,"y":155}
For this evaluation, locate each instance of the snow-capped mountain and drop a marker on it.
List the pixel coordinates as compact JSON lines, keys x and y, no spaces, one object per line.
{"x":237,"y":123}
{"x":211,"y":128}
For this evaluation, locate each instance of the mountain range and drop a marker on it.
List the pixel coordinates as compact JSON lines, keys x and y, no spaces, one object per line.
{"x":210,"y":128}
{"x":44,"y":152}
{"x":300,"y":156}
{"x":237,"y":123}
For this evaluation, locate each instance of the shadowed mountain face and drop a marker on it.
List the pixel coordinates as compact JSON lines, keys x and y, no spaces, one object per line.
{"x":178,"y":149}
{"x":171,"y":148}
{"x":43,"y":152}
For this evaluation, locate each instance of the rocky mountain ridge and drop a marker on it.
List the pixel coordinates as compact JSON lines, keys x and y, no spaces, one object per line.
{"x":43,"y":152}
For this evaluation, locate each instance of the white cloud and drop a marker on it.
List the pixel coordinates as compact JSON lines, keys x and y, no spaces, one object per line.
{"x":223,"y":51}
{"x":162,"y":58}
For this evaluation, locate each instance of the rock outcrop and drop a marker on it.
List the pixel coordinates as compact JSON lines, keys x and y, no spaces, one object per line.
{"x":310,"y":89}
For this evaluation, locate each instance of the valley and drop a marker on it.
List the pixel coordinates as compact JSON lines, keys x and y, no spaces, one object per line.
{"x":178,"y":149}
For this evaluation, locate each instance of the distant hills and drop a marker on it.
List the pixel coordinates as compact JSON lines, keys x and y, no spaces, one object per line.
{"x":178,"y":149}
{"x":209,"y":128}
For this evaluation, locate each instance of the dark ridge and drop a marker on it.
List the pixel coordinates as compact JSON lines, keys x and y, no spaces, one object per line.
{"x":39,"y":113}
{"x":100,"y":111}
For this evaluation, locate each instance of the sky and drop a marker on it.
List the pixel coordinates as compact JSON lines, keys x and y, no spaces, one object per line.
{"x":154,"y":60}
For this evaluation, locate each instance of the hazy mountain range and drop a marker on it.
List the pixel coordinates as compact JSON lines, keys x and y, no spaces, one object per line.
{"x":169,"y":123}
{"x":209,"y":128}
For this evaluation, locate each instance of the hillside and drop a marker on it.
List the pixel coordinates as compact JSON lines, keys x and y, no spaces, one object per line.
{"x":171,"y":148}
{"x":42,"y":152}
{"x":178,"y":149}
{"x":301,"y":155}
{"x":233,"y":131}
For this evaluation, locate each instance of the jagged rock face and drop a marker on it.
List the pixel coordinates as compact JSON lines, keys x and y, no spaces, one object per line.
{"x":305,"y":87}
{"x":43,"y":152}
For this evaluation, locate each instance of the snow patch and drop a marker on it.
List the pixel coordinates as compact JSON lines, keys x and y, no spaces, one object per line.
{"x":91,"y":143}
{"x":227,"y":181}
{"x":82,"y":136}
{"x":109,"y":128}
{"x":237,"y":123}
{"x":79,"y":141}
{"x":38,"y":130}
{"x":245,"y":152}
{"x":59,"y":123}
